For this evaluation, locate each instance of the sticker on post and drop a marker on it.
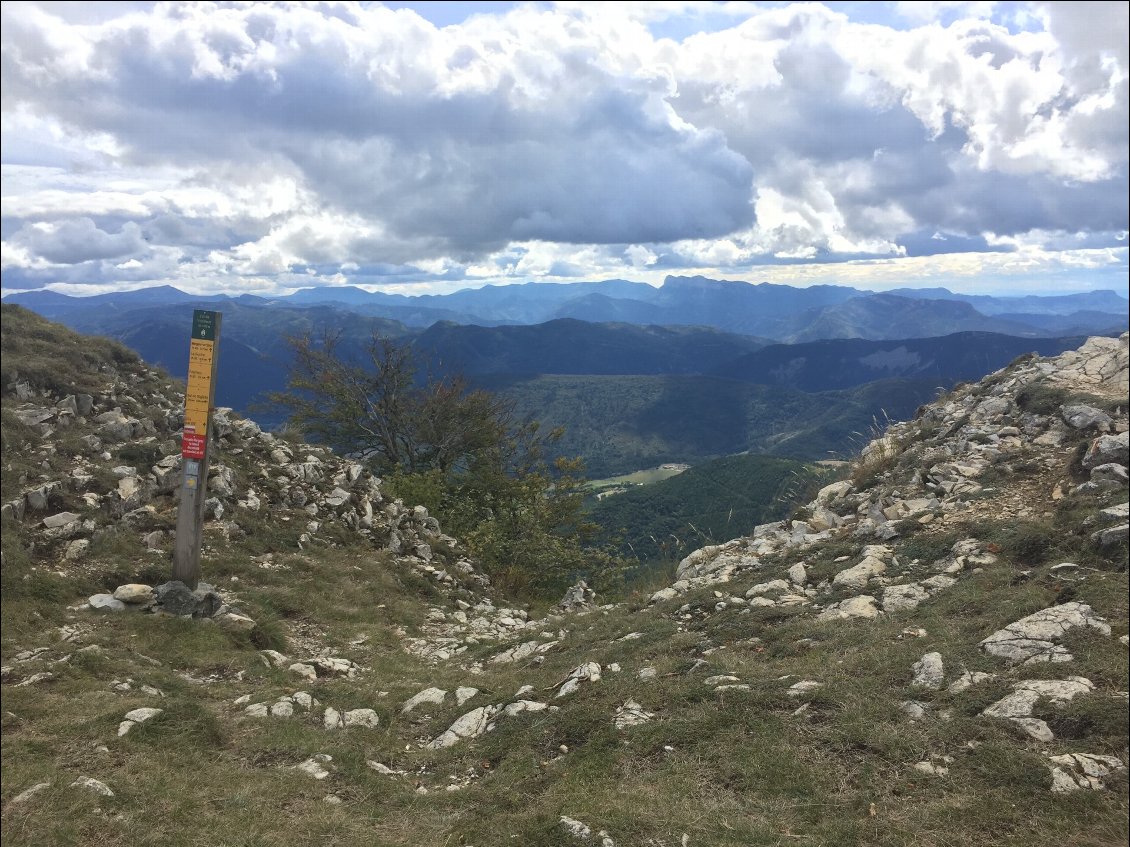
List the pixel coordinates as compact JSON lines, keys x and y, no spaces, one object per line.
{"x":192,"y":445}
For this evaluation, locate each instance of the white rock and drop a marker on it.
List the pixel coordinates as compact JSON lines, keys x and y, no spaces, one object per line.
{"x":863,"y":606}
{"x":587,"y":672}
{"x":576,"y":828}
{"x":930,"y":769}
{"x":520,"y":706}
{"x":434,"y":696}
{"x":384,"y":770}
{"x":257,"y":710}
{"x":803,"y":687}
{"x":106,"y":603}
{"x":307,"y":672}
{"x":929,"y":672}
{"x":767,"y":587}
{"x":1033,"y":639}
{"x":134,"y":593}
{"x":364,"y":718}
{"x":315,"y":766}
{"x":1074,"y":771}
{"x":332,"y":719}
{"x":968,"y":678}
{"x":857,"y":576}
{"x":92,"y":785}
{"x":274,"y":658}
{"x":517,"y":653}
{"x":900,"y":598}
{"x":631,"y":714}
{"x":463,"y":694}
{"x":282,"y":709}
{"x":470,"y":725}
{"x":28,"y":793}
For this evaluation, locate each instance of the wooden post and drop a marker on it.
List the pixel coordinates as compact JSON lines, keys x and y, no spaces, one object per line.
{"x":196,"y":444}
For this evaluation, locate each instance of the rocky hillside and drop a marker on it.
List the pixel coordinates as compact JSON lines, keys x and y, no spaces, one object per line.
{"x":933,"y":652}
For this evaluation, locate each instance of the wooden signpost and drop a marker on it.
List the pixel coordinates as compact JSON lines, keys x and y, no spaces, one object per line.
{"x":203,"y":356}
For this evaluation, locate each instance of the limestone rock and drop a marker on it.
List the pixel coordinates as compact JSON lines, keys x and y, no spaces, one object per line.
{"x":92,"y":785}
{"x":106,"y":603}
{"x":363,"y":718}
{"x":434,"y":696}
{"x":28,"y":793}
{"x":1074,"y":771}
{"x":929,"y":672}
{"x":587,"y":672}
{"x":1107,"y":449}
{"x":315,"y":766}
{"x":579,"y":596}
{"x":1086,"y":417}
{"x":1034,"y":638}
{"x":863,"y":606}
{"x":137,"y":716}
{"x":856,"y":577}
{"x":470,"y":725}
{"x":631,"y":714}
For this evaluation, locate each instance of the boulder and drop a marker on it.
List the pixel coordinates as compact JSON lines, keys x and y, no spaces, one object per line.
{"x":1034,"y":638}
{"x":1086,"y":417}
{"x":134,"y":594}
{"x":1108,"y":448}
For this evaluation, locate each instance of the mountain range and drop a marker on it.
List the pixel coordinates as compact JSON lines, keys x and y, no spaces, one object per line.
{"x":777,"y":312}
{"x":637,"y":375}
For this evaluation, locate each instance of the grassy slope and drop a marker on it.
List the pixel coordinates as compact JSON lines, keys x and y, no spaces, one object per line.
{"x":738,"y":768}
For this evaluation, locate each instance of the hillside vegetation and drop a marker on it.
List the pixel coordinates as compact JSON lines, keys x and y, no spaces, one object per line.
{"x":706,"y":504}
{"x":932,"y":652}
{"x":622,"y":423}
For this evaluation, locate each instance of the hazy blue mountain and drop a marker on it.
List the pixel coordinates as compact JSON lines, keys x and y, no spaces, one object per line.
{"x":764,"y":310}
{"x":1057,"y":304}
{"x":888,"y":316}
{"x":843,"y":363}
{"x":53,"y":305}
{"x":1076,"y":323}
{"x":575,"y":347}
{"x":601,"y":308}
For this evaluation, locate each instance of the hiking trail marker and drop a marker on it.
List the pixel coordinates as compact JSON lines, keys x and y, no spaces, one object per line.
{"x":199,"y":397}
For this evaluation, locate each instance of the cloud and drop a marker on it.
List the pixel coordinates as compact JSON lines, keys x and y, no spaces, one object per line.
{"x":250,"y":144}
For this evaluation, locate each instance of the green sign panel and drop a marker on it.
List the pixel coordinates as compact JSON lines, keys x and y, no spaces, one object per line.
{"x":204,"y":325}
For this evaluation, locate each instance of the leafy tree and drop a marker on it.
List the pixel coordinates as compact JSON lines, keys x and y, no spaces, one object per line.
{"x":462,"y":452}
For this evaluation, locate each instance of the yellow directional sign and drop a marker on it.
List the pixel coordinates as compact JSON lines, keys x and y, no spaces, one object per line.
{"x":200,"y":391}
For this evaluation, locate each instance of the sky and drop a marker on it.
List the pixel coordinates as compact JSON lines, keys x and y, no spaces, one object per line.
{"x":427,"y":147}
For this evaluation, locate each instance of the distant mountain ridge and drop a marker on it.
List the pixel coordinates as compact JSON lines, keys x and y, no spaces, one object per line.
{"x":843,"y":363}
{"x":766,"y":310}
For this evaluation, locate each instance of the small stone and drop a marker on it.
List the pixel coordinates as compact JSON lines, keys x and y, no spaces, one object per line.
{"x":28,"y":793}
{"x":463,"y":694}
{"x":363,"y":718}
{"x":930,"y":769}
{"x":106,"y":603}
{"x":433,"y":696}
{"x":929,"y":672}
{"x":315,"y":766}
{"x":805,"y":686}
{"x":307,"y":672}
{"x":60,"y":520}
{"x":93,"y":785}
